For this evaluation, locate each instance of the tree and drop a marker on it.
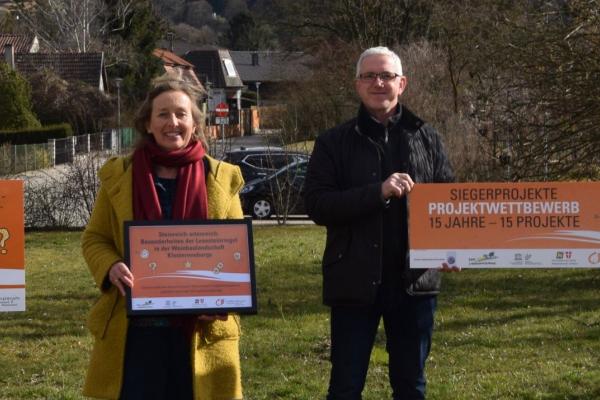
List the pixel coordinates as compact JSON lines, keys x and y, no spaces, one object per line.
{"x":533,"y":93}
{"x":363,"y":22}
{"x":245,"y":33}
{"x":73,"y":25}
{"x":55,"y":101}
{"x":126,"y":30}
{"x":173,"y":10}
{"x":132,"y":41}
{"x":233,"y":8}
{"x":15,"y":100}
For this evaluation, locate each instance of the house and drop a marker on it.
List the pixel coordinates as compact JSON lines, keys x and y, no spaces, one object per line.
{"x":173,"y":64}
{"x":19,"y":43}
{"x":267,"y":71}
{"x":84,"y":67}
{"x":21,"y":52}
{"x":217,"y":72}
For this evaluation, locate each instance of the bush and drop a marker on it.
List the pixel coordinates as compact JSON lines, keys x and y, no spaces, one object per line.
{"x":63,"y":198}
{"x":37,"y":135}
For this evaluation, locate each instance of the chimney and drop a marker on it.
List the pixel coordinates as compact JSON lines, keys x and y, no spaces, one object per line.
{"x":9,"y":55}
{"x":254,"y":58}
{"x":170,"y":37}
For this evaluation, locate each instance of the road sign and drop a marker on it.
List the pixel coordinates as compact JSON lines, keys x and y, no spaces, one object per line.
{"x":222,"y":120}
{"x":222,"y":110}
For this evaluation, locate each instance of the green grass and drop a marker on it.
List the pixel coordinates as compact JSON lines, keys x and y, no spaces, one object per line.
{"x":506,"y":334}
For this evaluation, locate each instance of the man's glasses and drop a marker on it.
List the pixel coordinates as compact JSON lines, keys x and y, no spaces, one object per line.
{"x":372,"y":76}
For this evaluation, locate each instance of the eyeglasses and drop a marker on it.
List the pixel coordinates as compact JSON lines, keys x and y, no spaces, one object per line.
{"x":372,"y":76}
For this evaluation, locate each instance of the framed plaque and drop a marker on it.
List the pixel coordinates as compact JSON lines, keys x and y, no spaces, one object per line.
{"x":190,"y":267}
{"x":505,"y":225}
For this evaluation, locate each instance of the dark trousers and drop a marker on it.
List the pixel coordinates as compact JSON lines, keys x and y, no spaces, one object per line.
{"x":157,"y":365}
{"x":408,"y":329}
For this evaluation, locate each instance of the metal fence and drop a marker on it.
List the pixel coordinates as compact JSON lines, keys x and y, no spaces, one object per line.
{"x":27,"y":157}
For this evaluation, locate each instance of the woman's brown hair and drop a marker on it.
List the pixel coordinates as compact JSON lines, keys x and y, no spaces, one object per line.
{"x":168,"y":83}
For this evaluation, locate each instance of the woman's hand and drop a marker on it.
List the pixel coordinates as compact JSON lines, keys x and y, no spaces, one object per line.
{"x":120,"y":276}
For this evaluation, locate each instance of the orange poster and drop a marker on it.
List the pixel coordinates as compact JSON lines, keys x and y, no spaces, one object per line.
{"x":505,"y":225}
{"x":12,"y":246}
{"x":191,"y":267}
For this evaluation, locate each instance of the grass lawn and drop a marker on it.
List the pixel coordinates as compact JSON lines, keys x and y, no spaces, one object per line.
{"x":505,"y":334}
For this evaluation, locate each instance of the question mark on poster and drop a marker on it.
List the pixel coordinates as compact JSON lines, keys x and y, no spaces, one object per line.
{"x":4,"y":236}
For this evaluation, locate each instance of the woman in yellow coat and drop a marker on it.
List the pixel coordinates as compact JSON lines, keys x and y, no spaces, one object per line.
{"x":168,"y":176}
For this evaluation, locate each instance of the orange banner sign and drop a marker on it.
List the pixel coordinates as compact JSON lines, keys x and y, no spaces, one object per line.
{"x":12,"y":246}
{"x":191,"y":267}
{"x":505,"y":225}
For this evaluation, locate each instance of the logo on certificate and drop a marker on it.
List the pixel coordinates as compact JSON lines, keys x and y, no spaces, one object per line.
{"x":218,"y":268}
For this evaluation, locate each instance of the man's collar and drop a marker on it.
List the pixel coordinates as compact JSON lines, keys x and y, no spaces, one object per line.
{"x":363,"y":113}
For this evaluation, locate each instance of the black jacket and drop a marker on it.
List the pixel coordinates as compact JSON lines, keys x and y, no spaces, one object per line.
{"x":343,"y":192}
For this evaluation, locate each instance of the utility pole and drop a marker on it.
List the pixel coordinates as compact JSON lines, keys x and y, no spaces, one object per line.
{"x":118,"y":82}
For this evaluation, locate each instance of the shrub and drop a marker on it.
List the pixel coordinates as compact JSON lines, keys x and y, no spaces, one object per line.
{"x":37,"y":135}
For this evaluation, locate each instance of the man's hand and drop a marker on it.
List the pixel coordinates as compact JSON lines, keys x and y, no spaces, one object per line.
{"x":397,"y":184}
{"x":220,"y":317}
{"x":446,"y":268}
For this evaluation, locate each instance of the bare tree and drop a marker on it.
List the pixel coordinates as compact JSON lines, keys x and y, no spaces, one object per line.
{"x":534,"y":94}
{"x":363,"y":22}
{"x":74,"y":25}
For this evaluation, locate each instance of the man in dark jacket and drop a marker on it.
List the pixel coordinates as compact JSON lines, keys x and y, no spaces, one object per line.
{"x":356,"y":185}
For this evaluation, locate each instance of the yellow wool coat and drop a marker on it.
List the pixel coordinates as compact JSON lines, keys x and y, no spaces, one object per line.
{"x":215,"y":351}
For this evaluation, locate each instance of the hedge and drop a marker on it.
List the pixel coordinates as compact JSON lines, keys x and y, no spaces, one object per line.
{"x":36,"y":135}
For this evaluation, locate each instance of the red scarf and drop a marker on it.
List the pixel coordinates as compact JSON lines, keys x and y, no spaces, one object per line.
{"x":190,"y":197}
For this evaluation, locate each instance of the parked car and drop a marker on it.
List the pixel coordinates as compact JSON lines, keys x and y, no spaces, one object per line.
{"x":277,"y":193}
{"x":258,"y":162}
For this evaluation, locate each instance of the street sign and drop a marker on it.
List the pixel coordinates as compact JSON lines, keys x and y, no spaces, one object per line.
{"x":222,"y":120}
{"x":222,"y":110}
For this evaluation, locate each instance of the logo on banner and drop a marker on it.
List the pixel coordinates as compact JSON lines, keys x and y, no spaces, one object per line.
{"x":4,"y":236}
{"x":484,"y":259}
{"x":9,"y":301}
{"x":594,"y":258}
{"x":451,"y":258}
{"x":564,"y":257}
{"x":518,"y":259}
{"x":220,"y":302}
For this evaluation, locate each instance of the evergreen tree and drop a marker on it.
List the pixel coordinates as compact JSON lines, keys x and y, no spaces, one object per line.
{"x":15,"y":100}
{"x":134,"y":39}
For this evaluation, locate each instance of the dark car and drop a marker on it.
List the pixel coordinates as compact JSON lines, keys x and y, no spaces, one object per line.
{"x":258,"y":162}
{"x":278,"y":193}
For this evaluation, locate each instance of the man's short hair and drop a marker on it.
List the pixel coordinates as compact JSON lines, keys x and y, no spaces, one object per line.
{"x":383,"y":51}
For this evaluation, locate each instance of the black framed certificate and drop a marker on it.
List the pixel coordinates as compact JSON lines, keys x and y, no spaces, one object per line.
{"x":190,"y":267}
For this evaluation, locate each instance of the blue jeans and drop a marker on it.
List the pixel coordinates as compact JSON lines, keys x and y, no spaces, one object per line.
{"x":408,"y":329}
